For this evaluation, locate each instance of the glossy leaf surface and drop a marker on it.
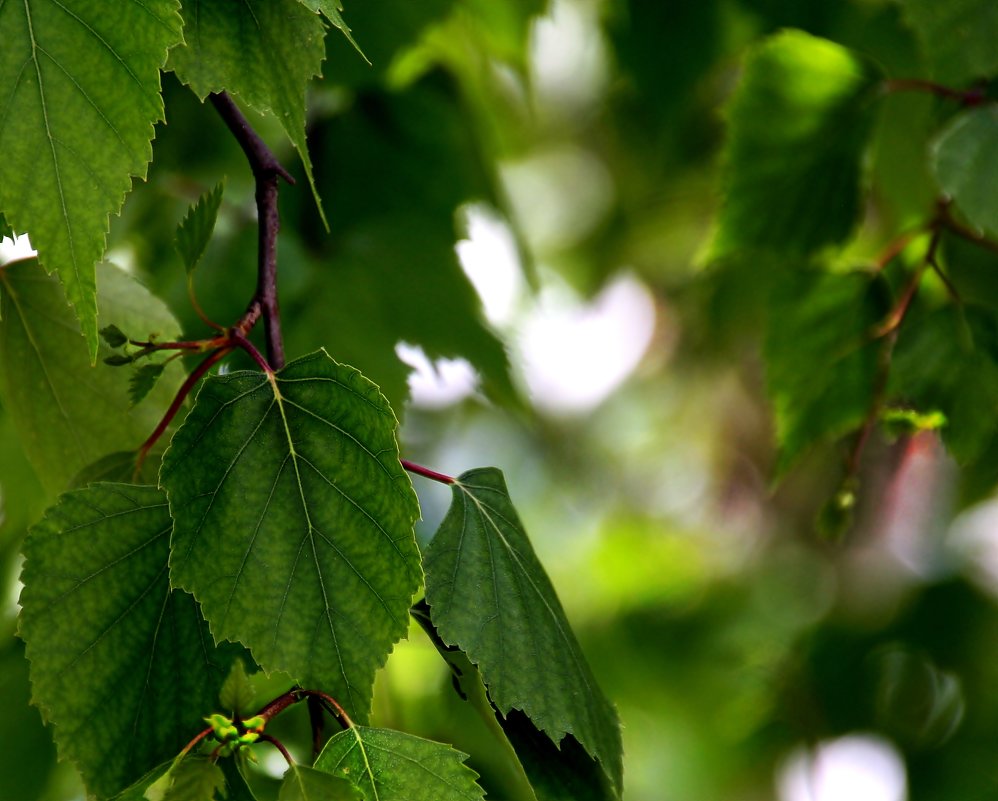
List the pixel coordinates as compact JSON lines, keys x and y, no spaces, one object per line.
{"x":81,"y":92}
{"x":121,"y":665}
{"x":490,"y":597}
{"x":293,"y":522}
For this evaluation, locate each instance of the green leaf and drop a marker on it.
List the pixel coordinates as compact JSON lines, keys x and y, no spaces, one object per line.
{"x":331,"y":9}
{"x":121,"y":665}
{"x":81,"y":93}
{"x":956,"y":37}
{"x":264,"y":51}
{"x":142,"y":381}
{"x":6,"y":232}
{"x":119,"y":467}
{"x":390,"y":765}
{"x":308,"y":784}
{"x":113,"y":336}
{"x":948,"y":362}
{"x":69,"y":414}
{"x":965,"y":160}
{"x":293,"y":522}
{"x":821,"y":357}
{"x":798,"y":125}
{"x":237,"y":694}
{"x":194,"y":231}
{"x":490,"y":597}
{"x":192,"y":779}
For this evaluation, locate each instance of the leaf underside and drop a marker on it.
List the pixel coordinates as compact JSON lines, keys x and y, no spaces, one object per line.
{"x":294,"y":522}
{"x":121,"y":665}
{"x":391,"y":765}
{"x":490,"y":597}
{"x":81,"y":95}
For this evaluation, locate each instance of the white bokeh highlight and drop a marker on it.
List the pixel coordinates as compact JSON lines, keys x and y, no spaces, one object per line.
{"x":858,"y":767}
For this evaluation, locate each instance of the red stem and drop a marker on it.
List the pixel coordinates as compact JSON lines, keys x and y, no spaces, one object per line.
{"x":968,"y":97}
{"x":419,"y":470}
{"x":279,"y":746}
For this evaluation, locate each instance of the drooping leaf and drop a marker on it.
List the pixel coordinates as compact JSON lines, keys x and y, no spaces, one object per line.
{"x":263,"y":51}
{"x":965,"y":160}
{"x":121,"y":665}
{"x":821,"y":357}
{"x":194,"y":231}
{"x":797,"y":127}
{"x":390,"y":765}
{"x":142,"y":380}
{"x":490,"y":597}
{"x":948,"y":362}
{"x":69,"y":414}
{"x":81,"y":93}
{"x":293,"y":522}
{"x":957,"y":37}
{"x":331,"y":10}
{"x":308,"y":784}
{"x":237,"y":694}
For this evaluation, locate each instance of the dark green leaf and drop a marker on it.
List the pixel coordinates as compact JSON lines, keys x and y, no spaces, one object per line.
{"x":308,"y":784}
{"x":821,"y":357}
{"x":390,"y":765}
{"x":194,"y":231}
{"x":192,"y":779}
{"x":490,"y":597}
{"x":118,"y":360}
{"x":119,"y":467}
{"x":331,"y":10}
{"x":142,"y":380}
{"x":6,"y":232}
{"x":69,"y":414}
{"x":948,"y":362}
{"x":293,"y":522}
{"x":237,"y":694}
{"x":957,"y":37}
{"x":966,"y":166}
{"x":123,"y":666}
{"x":81,"y":93}
{"x":798,"y":125}
{"x":263,"y":51}
{"x":113,"y":336}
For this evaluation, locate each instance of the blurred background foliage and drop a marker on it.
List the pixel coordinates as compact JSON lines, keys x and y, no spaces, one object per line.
{"x":531,"y":252}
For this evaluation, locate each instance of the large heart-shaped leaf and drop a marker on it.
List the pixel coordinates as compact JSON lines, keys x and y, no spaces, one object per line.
{"x":293,"y":521}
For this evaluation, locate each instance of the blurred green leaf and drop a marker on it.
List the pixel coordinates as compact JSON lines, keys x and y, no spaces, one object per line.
{"x":142,"y":380}
{"x":69,"y":414}
{"x":192,"y":779}
{"x":237,"y":693}
{"x":822,"y":357}
{"x":965,"y":160}
{"x":957,"y":37}
{"x":293,"y":522}
{"x":490,"y":597}
{"x":81,"y":95}
{"x":308,"y":784}
{"x":798,"y":124}
{"x":194,"y":231}
{"x":263,"y":51}
{"x":6,"y":232}
{"x":390,"y":765}
{"x":108,"y":639}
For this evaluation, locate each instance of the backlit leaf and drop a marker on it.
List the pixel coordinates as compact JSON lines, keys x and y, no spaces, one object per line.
{"x":966,"y":166}
{"x":263,"y":51}
{"x":121,"y":665}
{"x":81,"y":92}
{"x":390,"y":765}
{"x":331,"y":10}
{"x":490,"y":597}
{"x":69,"y":414}
{"x":293,"y":522}
{"x":194,"y":231}
{"x":308,"y":784}
{"x":798,"y":125}
{"x":237,"y":693}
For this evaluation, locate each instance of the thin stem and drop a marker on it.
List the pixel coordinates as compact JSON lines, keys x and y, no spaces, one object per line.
{"x":279,"y":746}
{"x":178,"y":401}
{"x":267,"y":171}
{"x":419,"y":470}
{"x":192,"y":297}
{"x":250,"y":348}
{"x":967,"y":97}
{"x":197,"y":738}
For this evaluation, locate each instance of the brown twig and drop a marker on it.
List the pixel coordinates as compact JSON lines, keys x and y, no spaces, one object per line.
{"x":279,"y":746}
{"x":966,"y":97}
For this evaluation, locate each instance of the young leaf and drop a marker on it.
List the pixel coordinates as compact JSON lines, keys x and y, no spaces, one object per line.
{"x":308,"y":784}
{"x":293,"y":522}
{"x":957,"y":37}
{"x":194,"y":231}
{"x":237,"y":694}
{"x":142,"y":381}
{"x":113,"y":336}
{"x":798,"y":125}
{"x":264,"y":51}
{"x":331,"y":10}
{"x":81,"y":93}
{"x":490,"y":597}
{"x":69,"y":414}
{"x":121,"y":665}
{"x":390,"y":765}
{"x":965,"y":160}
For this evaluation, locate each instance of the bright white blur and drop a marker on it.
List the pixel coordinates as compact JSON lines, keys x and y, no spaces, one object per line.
{"x":857,"y":767}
